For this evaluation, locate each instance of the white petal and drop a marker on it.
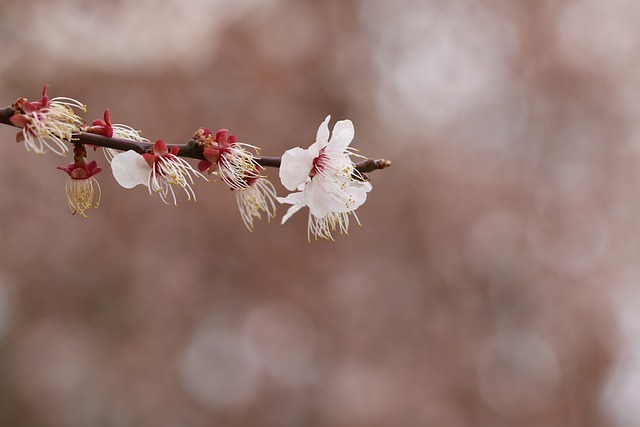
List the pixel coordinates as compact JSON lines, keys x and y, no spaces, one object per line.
{"x":357,"y":194}
{"x":322,"y":137}
{"x":295,"y":167}
{"x":296,"y":199}
{"x":293,"y":209}
{"x":320,"y":202}
{"x":293,"y":198}
{"x":130,"y":169}
{"x":343,"y":133}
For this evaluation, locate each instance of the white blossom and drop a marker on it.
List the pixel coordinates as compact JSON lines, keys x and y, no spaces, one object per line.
{"x":325,"y":179}
{"x":159,"y":171}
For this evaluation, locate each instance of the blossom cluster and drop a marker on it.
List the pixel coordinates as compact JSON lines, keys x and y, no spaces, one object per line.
{"x":322,"y":177}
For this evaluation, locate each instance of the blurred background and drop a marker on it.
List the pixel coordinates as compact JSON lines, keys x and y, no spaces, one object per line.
{"x":494,"y":282}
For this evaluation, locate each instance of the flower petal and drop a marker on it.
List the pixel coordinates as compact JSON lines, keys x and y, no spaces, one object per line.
{"x":357,"y":192}
{"x":293,"y":209}
{"x":322,"y":137}
{"x":130,"y":169}
{"x":293,"y":198}
{"x":296,"y":199}
{"x":320,"y":201}
{"x":342,"y":136}
{"x":295,"y":167}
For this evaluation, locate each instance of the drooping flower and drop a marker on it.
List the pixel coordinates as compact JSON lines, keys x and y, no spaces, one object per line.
{"x":106,"y":128}
{"x":326,"y":181}
{"x":47,"y":123}
{"x":83,"y":190}
{"x":259,"y":196}
{"x":233,"y":161}
{"x":161,"y":171}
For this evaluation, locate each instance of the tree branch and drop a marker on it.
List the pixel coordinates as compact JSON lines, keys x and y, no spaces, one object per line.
{"x":190,"y":149}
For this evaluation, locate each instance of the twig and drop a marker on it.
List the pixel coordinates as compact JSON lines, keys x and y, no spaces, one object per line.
{"x":190,"y":149}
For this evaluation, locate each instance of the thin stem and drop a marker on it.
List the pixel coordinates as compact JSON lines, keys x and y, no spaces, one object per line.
{"x":190,"y":149}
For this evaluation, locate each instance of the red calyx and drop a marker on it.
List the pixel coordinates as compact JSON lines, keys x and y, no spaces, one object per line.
{"x":81,"y":169}
{"x":30,"y":107}
{"x":212,"y":146}
{"x":102,"y":127}
{"x":159,"y":149}
{"x":18,"y":120}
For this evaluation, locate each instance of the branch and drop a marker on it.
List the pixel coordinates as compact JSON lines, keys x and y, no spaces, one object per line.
{"x":190,"y":149}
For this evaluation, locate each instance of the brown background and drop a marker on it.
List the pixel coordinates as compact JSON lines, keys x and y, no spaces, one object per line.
{"x":495,"y":279}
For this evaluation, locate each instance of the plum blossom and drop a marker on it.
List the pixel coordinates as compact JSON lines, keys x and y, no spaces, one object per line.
{"x":236,"y":164}
{"x":326,"y":181}
{"x":106,"y":128}
{"x":259,"y":197}
{"x":83,"y":190}
{"x":161,"y":171}
{"x":47,"y":123}
{"x":233,"y":161}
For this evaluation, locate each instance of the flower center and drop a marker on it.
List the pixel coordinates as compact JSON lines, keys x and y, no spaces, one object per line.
{"x":318,"y":163}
